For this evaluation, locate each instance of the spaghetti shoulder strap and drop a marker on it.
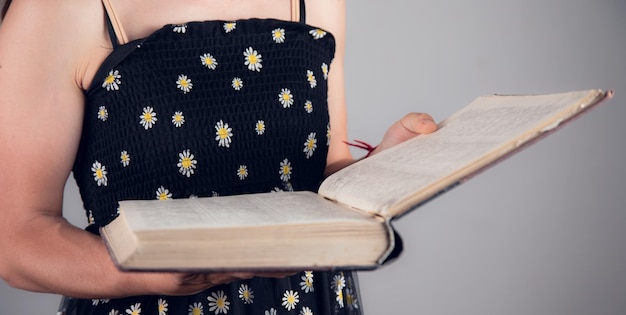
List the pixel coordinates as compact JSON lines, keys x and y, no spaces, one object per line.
{"x":302,"y":12}
{"x":298,"y":11}
{"x":116,"y":31}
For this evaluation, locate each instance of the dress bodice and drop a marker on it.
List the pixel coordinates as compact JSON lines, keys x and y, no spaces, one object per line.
{"x":206,"y":108}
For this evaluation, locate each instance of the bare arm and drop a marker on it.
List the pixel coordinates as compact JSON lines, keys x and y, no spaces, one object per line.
{"x":44,"y":49}
{"x":331,"y":15}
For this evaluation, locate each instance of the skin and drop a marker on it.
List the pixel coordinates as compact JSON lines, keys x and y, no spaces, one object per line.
{"x":49,"y":53}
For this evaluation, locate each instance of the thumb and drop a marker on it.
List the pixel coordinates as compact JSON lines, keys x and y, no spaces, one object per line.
{"x":418,"y":123}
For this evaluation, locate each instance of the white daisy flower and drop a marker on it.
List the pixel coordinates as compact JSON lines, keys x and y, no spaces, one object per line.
{"x":351,"y":299}
{"x":271,"y":311}
{"x":242,"y":172}
{"x":103,"y":113}
{"x":124,"y":158}
{"x":184,"y":83}
{"x":237,"y":83}
{"x":196,"y":309}
{"x":99,"y":173}
{"x":339,"y":298}
{"x":307,"y":282}
{"x":114,"y":312}
{"x":208,"y":61}
{"x":148,"y":118}
{"x":230,"y":26}
{"x":112,"y":81}
{"x":223,"y":134}
{"x":309,"y":274}
{"x":163,"y":193}
{"x":259,"y":127}
{"x":246,"y":294}
{"x":308,"y":106}
{"x":310,"y":145}
{"x":162,"y":306}
{"x":285,"y":170}
{"x":290,"y":299}
{"x":278,"y":35}
{"x":180,"y":28}
{"x":178,"y":119}
{"x":287,"y":186}
{"x":186,"y":163}
{"x":90,"y":218}
{"x":285,"y":98}
{"x":317,"y":33}
{"x":218,"y":302}
{"x":306,"y":311}
{"x":252,"y":59}
{"x":134,"y":309}
{"x":311,"y":78}
{"x":325,"y":70}
{"x":98,"y":301}
{"x":339,"y":282}
{"x":328,"y":134}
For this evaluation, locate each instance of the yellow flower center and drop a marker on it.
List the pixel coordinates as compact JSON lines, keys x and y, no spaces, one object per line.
{"x":222,"y":133}
{"x":99,"y":173}
{"x":252,"y":59}
{"x":286,"y":169}
{"x":196,"y":311}
{"x":310,"y":143}
{"x":286,"y":97}
{"x":163,"y":196}
{"x":184,"y":83}
{"x":178,"y":118}
{"x":186,"y":162}
{"x":291,"y":299}
{"x":220,"y":303}
{"x":147,"y":116}
{"x":110,"y":79}
{"x":161,"y":308}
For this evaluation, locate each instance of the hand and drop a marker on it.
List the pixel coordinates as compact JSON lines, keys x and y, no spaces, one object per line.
{"x":409,"y":126}
{"x":181,"y":283}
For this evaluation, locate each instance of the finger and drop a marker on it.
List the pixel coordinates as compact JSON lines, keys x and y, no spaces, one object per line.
{"x":419,"y":123}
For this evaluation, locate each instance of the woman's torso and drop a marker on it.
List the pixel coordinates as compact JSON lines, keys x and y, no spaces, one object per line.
{"x":213,"y":108}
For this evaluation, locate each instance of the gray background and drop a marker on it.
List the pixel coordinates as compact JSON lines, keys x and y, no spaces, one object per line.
{"x":543,"y":232}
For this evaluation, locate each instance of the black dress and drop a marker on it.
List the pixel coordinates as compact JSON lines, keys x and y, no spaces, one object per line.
{"x":206,"y":109}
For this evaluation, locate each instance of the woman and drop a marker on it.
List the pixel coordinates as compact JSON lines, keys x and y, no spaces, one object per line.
{"x":139,"y":101}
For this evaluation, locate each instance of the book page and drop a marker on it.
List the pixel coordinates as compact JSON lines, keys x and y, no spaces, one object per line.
{"x":236,"y":211}
{"x":481,"y":132}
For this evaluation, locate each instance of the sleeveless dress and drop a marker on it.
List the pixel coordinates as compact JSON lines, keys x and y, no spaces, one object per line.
{"x":206,"y":109}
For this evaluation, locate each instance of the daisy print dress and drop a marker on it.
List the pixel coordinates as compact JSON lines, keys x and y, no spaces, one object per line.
{"x":211,"y":109}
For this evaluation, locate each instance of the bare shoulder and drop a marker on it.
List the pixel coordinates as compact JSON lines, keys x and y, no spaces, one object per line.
{"x":44,"y":49}
{"x":327,"y":14}
{"x":63,"y":35}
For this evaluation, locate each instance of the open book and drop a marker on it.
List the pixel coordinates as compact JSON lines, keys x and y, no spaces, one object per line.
{"x":347,"y":224}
